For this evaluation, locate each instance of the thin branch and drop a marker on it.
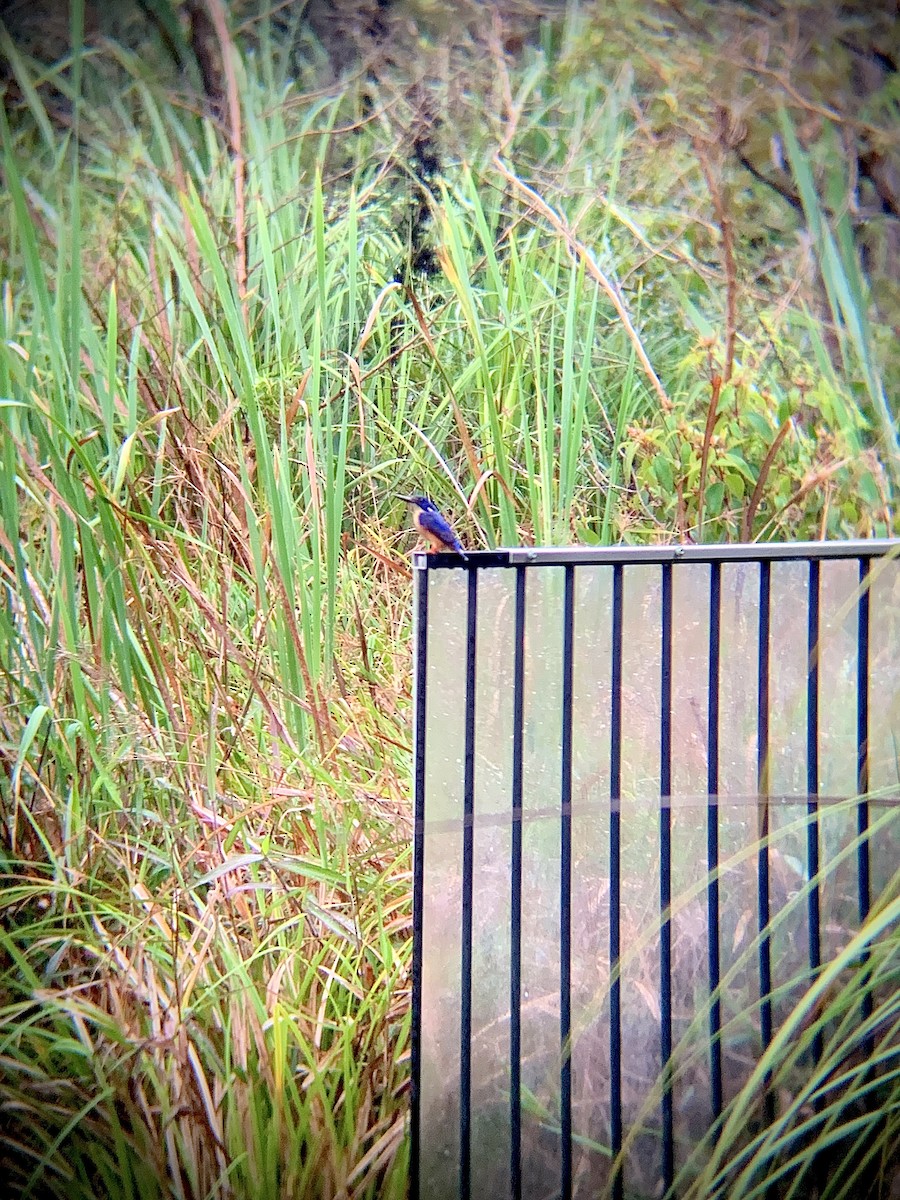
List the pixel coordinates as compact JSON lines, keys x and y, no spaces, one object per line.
{"x":711,"y":414}
{"x":785,"y":193}
{"x":764,"y":470}
{"x":726,"y":229}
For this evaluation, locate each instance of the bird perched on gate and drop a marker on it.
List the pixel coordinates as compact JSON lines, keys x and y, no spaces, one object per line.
{"x":434,"y":528}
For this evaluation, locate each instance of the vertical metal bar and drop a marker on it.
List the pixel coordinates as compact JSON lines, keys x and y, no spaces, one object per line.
{"x":812,"y":782}
{"x":862,"y":734}
{"x":762,"y":786}
{"x":712,"y":837}
{"x":420,"y":712}
{"x":615,"y":878}
{"x":862,"y":759}
{"x":565,"y":892}
{"x":665,"y":881}
{"x":515,"y":920}
{"x":465,"y":1040}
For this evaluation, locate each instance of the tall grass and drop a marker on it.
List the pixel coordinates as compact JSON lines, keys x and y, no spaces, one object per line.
{"x":216,"y":371}
{"x":831,"y":1070}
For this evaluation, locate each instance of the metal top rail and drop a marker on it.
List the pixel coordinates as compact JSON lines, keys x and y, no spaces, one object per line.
{"x":583,"y":556}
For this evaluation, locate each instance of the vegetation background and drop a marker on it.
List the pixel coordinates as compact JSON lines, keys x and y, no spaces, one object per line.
{"x":598,"y":273}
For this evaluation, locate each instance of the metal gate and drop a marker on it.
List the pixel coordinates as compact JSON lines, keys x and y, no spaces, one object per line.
{"x":655,"y":789}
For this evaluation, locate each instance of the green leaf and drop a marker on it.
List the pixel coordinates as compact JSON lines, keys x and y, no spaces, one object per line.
{"x":758,"y":423}
{"x":735,"y":484}
{"x":587,"y":536}
{"x":869,"y":490}
{"x":662,"y":470}
{"x":29,"y":733}
{"x":733,"y":459}
{"x":715,"y":494}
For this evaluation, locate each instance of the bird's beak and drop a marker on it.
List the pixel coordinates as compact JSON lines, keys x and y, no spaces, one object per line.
{"x":408,"y":499}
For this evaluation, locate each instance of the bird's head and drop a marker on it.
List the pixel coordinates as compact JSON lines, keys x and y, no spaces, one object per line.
{"x":420,"y":502}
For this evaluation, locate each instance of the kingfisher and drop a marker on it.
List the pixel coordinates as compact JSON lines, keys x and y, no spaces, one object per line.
{"x":434,"y":528}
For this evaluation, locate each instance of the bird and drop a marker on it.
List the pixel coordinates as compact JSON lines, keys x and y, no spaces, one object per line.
{"x":434,"y":528}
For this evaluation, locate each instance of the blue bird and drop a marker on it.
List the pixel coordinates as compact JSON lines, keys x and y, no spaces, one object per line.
{"x":434,"y":528}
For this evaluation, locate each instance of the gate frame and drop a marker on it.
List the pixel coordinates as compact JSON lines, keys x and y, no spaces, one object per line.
{"x":520,"y":559}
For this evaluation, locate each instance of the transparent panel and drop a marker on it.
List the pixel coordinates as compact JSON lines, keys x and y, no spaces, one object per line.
{"x":590,"y":872}
{"x":737,"y":810}
{"x":884,"y":711}
{"x":884,"y":678}
{"x":491,"y":899}
{"x":788,"y":712}
{"x":689,"y":816}
{"x":445,"y":690}
{"x":739,"y":821}
{"x":839,"y":594}
{"x":641,"y":688}
{"x":541,"y":882}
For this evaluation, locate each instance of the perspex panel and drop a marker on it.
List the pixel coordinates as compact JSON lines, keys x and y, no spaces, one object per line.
{"x":766,"y":697}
